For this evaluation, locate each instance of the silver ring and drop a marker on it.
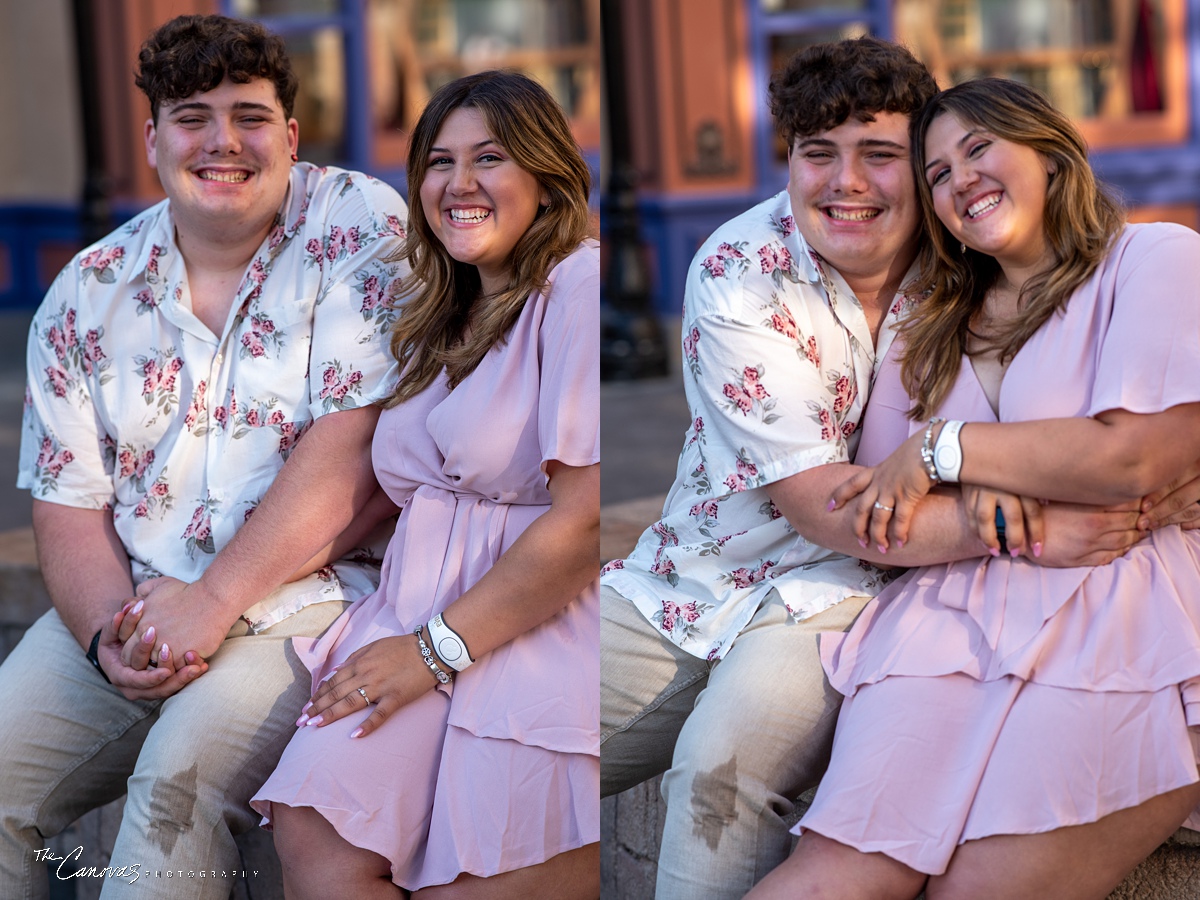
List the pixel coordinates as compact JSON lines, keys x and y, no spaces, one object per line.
{"x":879,"y":505}
{"x":363,"y":691}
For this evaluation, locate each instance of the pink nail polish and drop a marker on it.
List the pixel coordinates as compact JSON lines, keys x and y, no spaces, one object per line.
{"x":830,"y":507}
{"x":995,"y":551}
{"x":307,"y":707}
{"x":357,"y":732}
{"x":881,"y":548}
{"x":148,"y":637}
{"x":125,"y":608}
{"x":300,"y":721}
{"x":899,"y":545}
{"x":164,"y":653}
{"x":1037,"y":548}
{"x":862,"y":543}
{"x":137,"y":607}
{"x":317,"y":721}
{"x":1014,"y":552}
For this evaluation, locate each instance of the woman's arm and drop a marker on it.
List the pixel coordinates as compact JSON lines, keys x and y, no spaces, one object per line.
{"x":1114,"y":457}
{"x":552,"y":561}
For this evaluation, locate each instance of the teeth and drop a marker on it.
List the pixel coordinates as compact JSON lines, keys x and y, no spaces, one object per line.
{"x":471,"y":216}
{"x":982,"y":206}
{"x":227,"y":177}
{"x":852,"y":215}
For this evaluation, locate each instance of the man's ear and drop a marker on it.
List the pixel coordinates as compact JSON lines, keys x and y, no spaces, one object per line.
{"x":293,"y":129}
{"x":150,"y":133}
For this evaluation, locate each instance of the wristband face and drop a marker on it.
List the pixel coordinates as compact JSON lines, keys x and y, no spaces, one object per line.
{"x":450,"y":648}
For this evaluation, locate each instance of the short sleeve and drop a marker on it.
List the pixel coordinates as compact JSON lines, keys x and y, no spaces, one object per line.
{"x":62,"y":443}
{"x":569,"y":392}
{"x":885,"y":423}
{"x":350,"y":363}
{"x":761,"y":399}
{"x":1149,"y":358}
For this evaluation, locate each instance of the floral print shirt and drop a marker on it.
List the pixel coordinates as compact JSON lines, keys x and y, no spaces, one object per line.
{"x":778,"y":360}
{"x":134,"y":405}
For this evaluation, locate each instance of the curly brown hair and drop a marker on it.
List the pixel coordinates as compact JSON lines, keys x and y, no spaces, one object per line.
{"x":196,"y":53}
{"x":824,"y":85}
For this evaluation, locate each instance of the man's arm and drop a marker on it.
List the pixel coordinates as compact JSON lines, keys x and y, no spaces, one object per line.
{"x":322,"y":487}
{"x":1075,"y":534}
{"x":86,"y":571}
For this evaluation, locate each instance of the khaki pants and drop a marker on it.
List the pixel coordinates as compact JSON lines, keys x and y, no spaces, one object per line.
{"x":70,"y":742}
{"x":739,"y":739}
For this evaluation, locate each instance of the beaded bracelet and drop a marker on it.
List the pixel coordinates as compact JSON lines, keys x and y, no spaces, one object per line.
{"x":427,"y":656}
{"x":927,"y":451}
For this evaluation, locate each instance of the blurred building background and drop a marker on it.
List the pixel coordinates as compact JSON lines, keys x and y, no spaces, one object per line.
{"x":72,"y":164}
{"x":690,"y":124}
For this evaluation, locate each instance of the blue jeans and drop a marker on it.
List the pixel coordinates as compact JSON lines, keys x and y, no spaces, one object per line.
{"x":69,"y":742}
{"x":739,"y":739}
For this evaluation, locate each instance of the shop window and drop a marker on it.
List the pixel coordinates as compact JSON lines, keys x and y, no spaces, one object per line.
{"x":416,"y":46}
{"x":1116,"y":67}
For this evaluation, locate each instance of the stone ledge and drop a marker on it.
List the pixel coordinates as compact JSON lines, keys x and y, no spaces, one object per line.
{"x":621,"y":524}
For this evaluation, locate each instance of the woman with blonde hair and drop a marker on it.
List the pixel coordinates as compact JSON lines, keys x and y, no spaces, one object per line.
{"x":451,"y":746}
{"x":1011,"y":730}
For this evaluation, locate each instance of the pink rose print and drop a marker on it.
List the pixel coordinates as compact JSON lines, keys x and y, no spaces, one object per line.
{"x":828,"y":430}
{"x":152,"y":263}
{"x":252,"y":418}
{"x":727,"y":255}
{"x":372,"y":293}
{"x":316,"y":255}
{"x":811,"y":351}
{"x":160,"y":489}
{"x":145,"y":301}
{"x":396,"y":227}
{"x":690,"y":343}
{"x":612,"y":566}
{"x":198,"y":534}
{"x":844,"y":393}
{"x":101,"y":262}
{"x":276,"y":418}
{"x":92,"y":353}
{"x":58,"y":341}
{"x":51,"y":461}
{"x":276,"y":238}
{"x":253,"y":343}
{"x":197,"y":407}
{"x":337,"y":387}
{"x":744,"y":578}
{"x":748,"y":391}
{"x":221,"y":414}
{"x":745,"y":476}
{"x":142,"y":510}
{"x":787,"y":224}
{"x":57,"y":380}
{"x":663,"y":566}
{"x":706,"y":509}
{"x":774,"y":257}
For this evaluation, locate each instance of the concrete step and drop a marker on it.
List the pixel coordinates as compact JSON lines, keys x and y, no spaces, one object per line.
{"x":631,"y":826}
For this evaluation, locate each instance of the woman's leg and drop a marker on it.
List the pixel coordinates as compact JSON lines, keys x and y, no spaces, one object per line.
{"x":318,"y":863}
{"x":1075,"y":863}
{"x":573,"y":875}
{"x":823,"y":869}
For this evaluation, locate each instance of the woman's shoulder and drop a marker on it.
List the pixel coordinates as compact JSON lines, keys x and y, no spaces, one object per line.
{"x":581,"y":263}
{"x":1139,"y":239}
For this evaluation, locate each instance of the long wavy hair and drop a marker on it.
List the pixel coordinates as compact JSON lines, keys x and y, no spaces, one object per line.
{"x":437,"y":297}
{"x":1081,"y":218}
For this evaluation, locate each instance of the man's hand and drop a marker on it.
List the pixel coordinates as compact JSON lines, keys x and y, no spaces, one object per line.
{"x":141,"y":683}
{"x":180,"y":615}
{"x":1175,"y":503}
{"x":1081,"y":535}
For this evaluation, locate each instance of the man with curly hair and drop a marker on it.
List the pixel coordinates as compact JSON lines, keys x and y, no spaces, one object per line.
{"x":213,"y":360}
{"x":710,"y":669}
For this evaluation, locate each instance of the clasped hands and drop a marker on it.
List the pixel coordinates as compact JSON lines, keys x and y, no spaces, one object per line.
{"x":885,"y":498}
{"x":142,"y":648}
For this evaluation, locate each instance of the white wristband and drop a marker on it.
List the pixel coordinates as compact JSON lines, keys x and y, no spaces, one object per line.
{"x":449,"y":647}
{"x":947,"y":452}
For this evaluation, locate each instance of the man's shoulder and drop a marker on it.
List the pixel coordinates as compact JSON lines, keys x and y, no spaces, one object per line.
{"x":101,"y":263}
{"x":330,"y":184}
{"x":759,"y":251}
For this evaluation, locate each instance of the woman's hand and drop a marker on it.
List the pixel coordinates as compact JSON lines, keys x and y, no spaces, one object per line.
{"x":1176,"y":503}
{"x":887,"y":495}
{"x":389,"y":671}
{"x":1024,"y":522}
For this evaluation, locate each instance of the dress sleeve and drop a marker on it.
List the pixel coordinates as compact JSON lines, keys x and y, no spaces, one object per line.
{"x":64,"y":449}
{"x":569,"y":393}
{"x":350,"y":363}
{"x":1149,"y":357}
{"x":885,"y":423}
{"x":765,"y":399}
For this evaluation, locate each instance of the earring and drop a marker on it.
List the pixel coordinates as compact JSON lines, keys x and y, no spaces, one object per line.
{"x":962,"y":247}
{"x":295,"y":158}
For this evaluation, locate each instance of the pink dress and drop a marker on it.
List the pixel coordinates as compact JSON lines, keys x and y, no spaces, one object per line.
{"x":500,"y":769}
{"x":995,"y":696}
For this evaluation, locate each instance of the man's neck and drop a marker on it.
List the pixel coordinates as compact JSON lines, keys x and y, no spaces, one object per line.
{"x":216,"y":251}
{"x":875,"y":295}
